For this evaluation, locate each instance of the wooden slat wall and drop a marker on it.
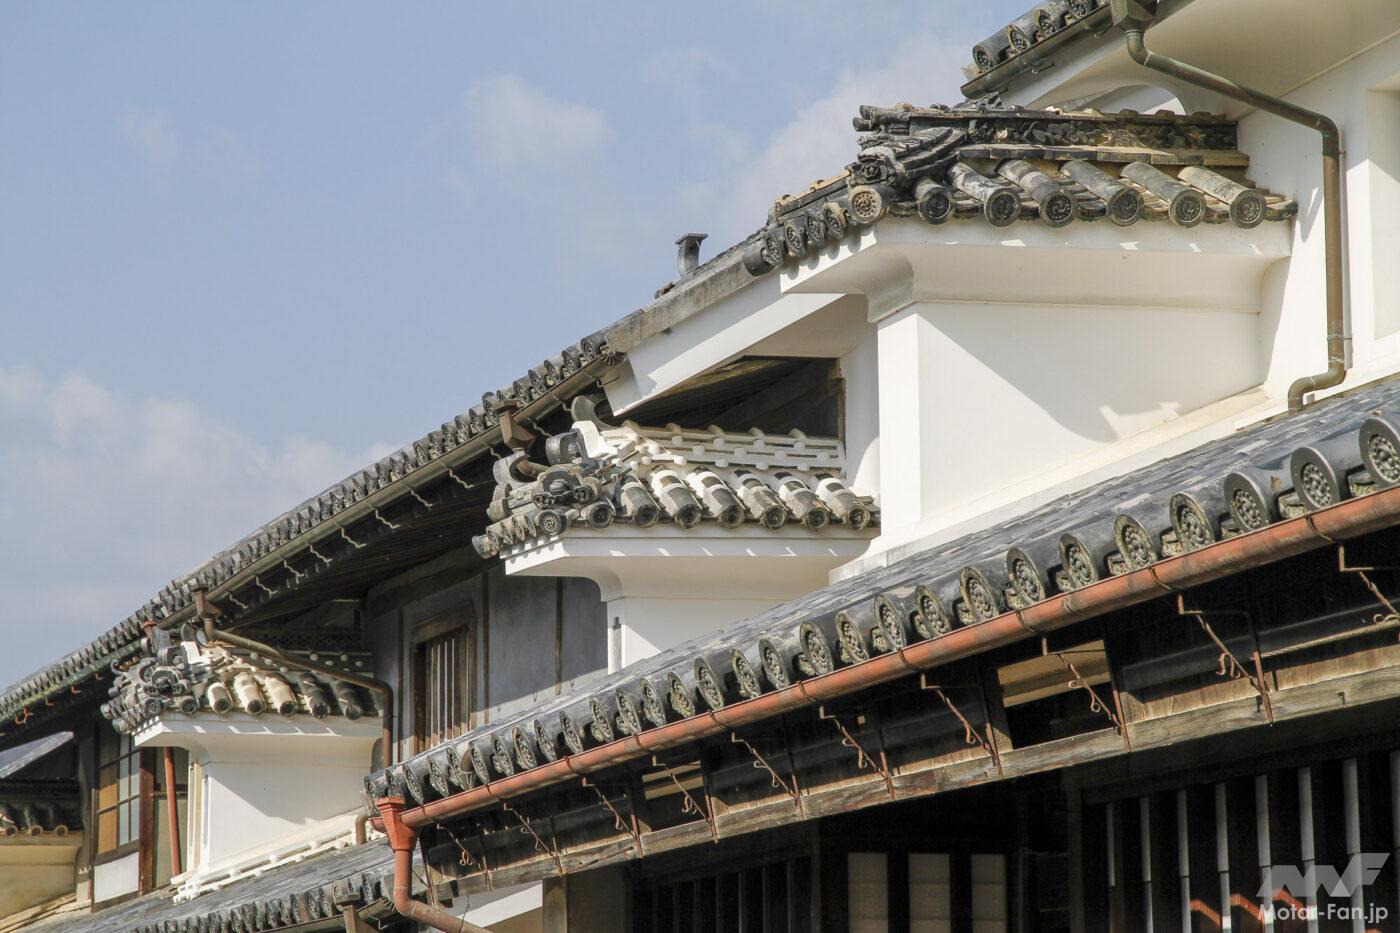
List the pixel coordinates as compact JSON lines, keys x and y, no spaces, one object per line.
{"x":1237,"y":833}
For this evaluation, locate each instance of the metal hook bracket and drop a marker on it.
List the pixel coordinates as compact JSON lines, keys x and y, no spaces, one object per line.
{"x":623,"y":825}
{"x":762,"y":764}
{"x":1230,"y":665}
{"x":311,"y":549}
{"x":551,"y":850}
{"x":460,"y":482}
{"x":1097,"y":704}
{"x":971,"y":735}
{"x":467,"y":860}
{"x":1391,"y":614}
{"x":863,"y":758}
{"x":691,"y":805}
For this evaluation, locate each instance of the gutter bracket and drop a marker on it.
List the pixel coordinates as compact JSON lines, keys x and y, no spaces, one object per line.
{"x":1391,"y":615}
{"x":971,"y":735}
{"x":762,"y":764}
{"x":551,"y":849}
{"x":863,"y":758}
{"x":691,"y":805}
{"x":1096,"y":702}
{"x":467,"y":860}
{"x":623,"y":825}
{"x":1230,"y":665}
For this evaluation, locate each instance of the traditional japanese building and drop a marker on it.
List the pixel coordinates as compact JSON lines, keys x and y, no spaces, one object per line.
{"x":1001,"y":538}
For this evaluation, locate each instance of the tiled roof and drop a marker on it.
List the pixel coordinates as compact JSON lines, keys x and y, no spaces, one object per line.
{"x":599,"y":474}
{"x":303,"y":896}
{"x":1330,"y":451}
{"x":215,"y":680}
{"x":389,"y":478}
{"x":942,"y":164}
{"x":1028,"y":34}
{"x":1002,"y":166}
{"x":15,"y":760}
{"x":39,"y":808}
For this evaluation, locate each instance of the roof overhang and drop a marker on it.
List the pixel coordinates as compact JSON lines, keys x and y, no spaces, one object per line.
{"x":242,"y":737}
{"x":899,"y":261}
{"x":707,"y":561}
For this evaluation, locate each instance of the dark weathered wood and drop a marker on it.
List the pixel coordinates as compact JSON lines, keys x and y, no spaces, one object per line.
{"x":1246,"y":908}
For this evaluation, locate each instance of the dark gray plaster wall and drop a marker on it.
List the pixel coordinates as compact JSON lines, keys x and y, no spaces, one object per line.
{"x":530,"y":637}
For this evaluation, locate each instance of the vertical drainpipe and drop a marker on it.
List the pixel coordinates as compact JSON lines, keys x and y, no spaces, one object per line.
{"x":1133,"y":17}
{"x":172,"y":810}
{"x":402,"y":839}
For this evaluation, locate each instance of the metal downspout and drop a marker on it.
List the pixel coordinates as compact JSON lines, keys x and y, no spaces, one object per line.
{"x":1134,"y":20}
{"x":402,"y":840}
{"x":172,"y":813}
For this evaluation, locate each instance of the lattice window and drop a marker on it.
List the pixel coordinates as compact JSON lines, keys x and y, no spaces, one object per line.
{"x":441,"y":665}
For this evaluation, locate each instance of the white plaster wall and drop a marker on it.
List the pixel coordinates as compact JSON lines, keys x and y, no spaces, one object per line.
{"x":641,"y":626}
{"x":115,"y":878}
{"x":1342,"y":60}
{"x":664,"y":586}
{"x":860,"y":368}
{"x":977,"y":398}
{"x":251,"y":805}
{"x":697,"y":343}
{"x":1363,"y":96}
{"x":268,"y":786}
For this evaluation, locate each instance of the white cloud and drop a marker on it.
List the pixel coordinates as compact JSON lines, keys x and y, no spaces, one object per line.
{"x":149,"y":133}
{"x":106,"y":498}
{"x":686,"y":70}
{"x":514,"y":126}
{"x":722,"y":142}
{"x":819,"y":141}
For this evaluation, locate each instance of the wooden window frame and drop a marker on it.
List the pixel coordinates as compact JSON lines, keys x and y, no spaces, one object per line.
{"x":454,"y":623}
{"x":141,"y":845}
{"x":141,"y":760}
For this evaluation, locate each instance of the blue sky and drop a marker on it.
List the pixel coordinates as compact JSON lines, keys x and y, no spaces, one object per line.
{"x":246,"y":247}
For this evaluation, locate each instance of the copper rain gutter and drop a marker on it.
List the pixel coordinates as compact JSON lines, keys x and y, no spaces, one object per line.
{"x":1348,"y":519}
{"x":1133,"y":17}
{"x":401,"y":840}
{"x":208,"y":612}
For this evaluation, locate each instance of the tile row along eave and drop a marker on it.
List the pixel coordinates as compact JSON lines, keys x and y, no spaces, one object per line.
{"x":1007,"y":166}
{"x":1030,"y":38}
{"x":1306,"y":465}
